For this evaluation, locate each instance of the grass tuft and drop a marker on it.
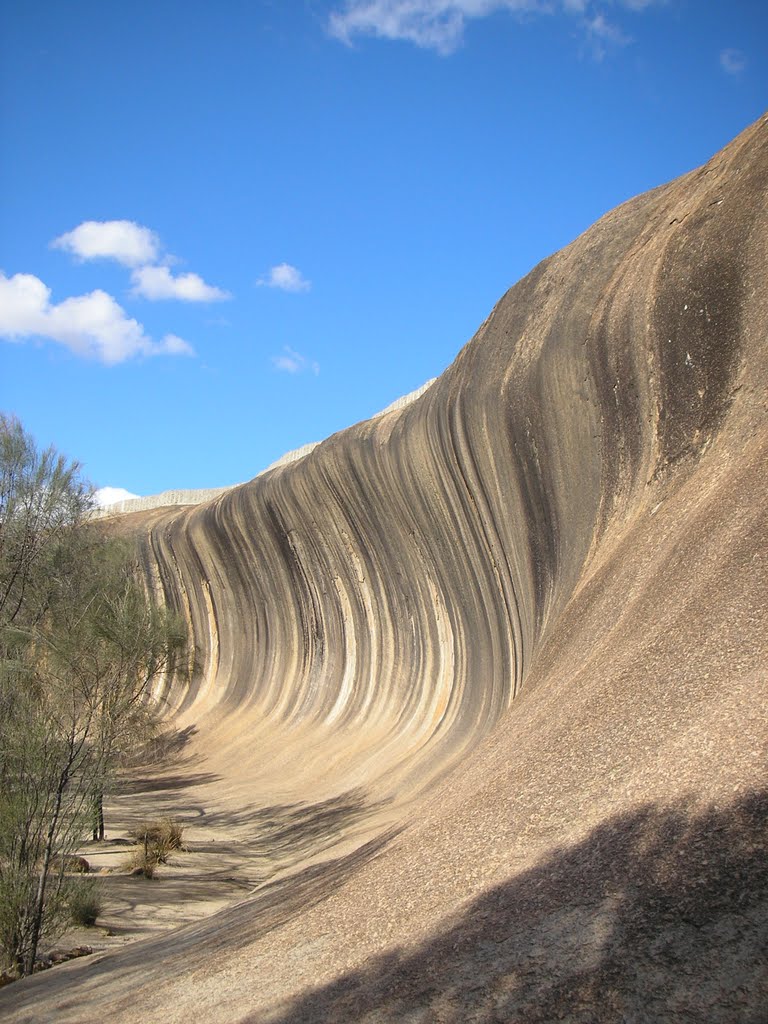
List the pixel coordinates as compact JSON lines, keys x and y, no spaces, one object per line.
{"x":155,"y":841}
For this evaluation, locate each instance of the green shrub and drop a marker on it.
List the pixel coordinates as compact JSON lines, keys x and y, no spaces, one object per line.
{"x":85,"y":901}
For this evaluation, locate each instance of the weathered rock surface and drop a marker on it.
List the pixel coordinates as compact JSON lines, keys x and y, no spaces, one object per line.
{"x":494,"y":664}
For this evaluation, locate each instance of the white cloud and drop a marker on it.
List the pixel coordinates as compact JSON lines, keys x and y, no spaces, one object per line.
{"x":121,"y":240}
{"x":733,"y":61}
{"x":291,"y":361}
{"x":111,"y":495}
{"x":136,"y":246}
{"x":92,"y":325}
{"x":173,"y":345}
{"x":439,"y":24}
{"x":287,"y":278}
{"x":159,"y":283}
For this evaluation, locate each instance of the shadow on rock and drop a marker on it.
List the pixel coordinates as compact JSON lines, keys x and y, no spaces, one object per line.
{"x":658,"y":915}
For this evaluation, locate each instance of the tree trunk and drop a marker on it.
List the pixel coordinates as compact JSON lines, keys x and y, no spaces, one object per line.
{"x":37,"y":921}
{"x":98,"y":817}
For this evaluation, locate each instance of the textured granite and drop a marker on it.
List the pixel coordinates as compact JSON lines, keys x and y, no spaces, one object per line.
{"x":491,"y":667}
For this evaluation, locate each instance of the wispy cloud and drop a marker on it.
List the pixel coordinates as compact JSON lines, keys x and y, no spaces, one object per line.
{"x":285,"y":277}
{"x":159,"y":283}
{"x":432,"y":24}
{"x":122,"y":240}
{"x":602,"y":34}
{"x":733,"y":61}
{"x":291,"y":361}
{"x":92,"y":325}
{"x":439,"y":24}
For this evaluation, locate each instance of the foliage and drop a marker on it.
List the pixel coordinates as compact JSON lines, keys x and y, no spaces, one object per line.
{"x":84,"y":901}
{"x":43,"y":500}
{"x":81,"y":646}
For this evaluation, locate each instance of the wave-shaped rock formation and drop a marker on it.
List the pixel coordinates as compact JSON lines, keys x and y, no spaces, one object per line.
{"x":491,"y":668}
{"x":198,"y":496}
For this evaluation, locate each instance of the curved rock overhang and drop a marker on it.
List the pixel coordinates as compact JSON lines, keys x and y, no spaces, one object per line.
{"x":549,"y":569}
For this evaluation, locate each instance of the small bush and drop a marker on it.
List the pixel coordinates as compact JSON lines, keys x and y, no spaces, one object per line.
{"x":85,"y":902}
{"x":142,"y":862}
{"x":162,"y":836}
{"x":156,"y":840}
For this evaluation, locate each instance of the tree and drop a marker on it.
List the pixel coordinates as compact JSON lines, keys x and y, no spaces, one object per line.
{"x":81,"y":645}
{"x":43,"y":503}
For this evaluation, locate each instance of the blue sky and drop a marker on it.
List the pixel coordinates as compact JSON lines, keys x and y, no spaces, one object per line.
{"x":229,"y":229}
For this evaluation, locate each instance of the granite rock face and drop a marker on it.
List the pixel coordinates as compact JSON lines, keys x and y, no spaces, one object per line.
{"x":519,"y":627}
